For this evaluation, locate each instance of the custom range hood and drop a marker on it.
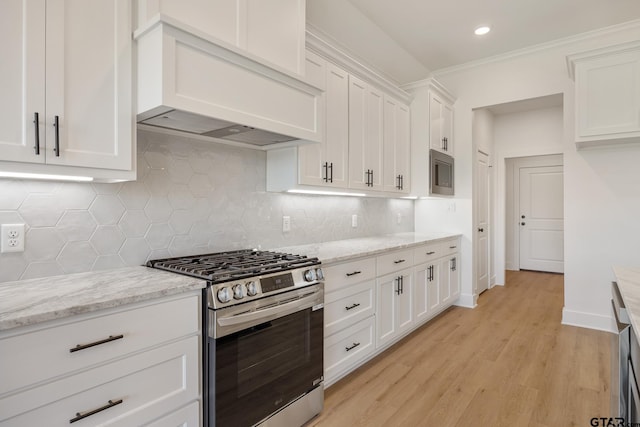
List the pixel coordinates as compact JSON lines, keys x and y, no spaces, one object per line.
{"x":189,"y":82}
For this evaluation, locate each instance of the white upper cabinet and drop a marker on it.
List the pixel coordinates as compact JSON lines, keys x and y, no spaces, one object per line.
{"x":68,"y":64}
{"x":440,"y":123}
{"x":397,"y":143}
{"x":325,"y":164}
{"x":272,"y":30}
{"x":607,"y":95}
{"x":365,"y":135}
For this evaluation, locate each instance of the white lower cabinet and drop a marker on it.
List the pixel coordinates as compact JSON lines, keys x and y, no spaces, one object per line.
{"x":372,"y":302}
{"x":426,"y":291}
{"x":394,"y":311}
{"x":344,"y":350}
{"x":72,"y":371}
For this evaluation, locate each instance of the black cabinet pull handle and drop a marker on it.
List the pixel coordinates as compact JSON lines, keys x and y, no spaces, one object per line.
{"x":453,"y":264}
{"x":402,"y":182}
{"x":331,"y":168}
{"x":93,"y":344}
{"x":82,"y":415}
{"x":431,"y":252}
{"x":400,"y":261}
{"x":355,"y":344}
{"x":56,"y":124}
{"x":325,"y":166}
{"x":452,"y":247}
{"x":371,"y":177}
{"x":401,"y":280}
{"x":481,"y":230}
{"x":36,"y":121}
{"x":354,"y":273}
{"x":351,"y":307}
{"x":397,"y":280}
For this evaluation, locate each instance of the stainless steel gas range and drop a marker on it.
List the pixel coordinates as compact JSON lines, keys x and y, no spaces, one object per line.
{"x":263,"y":336}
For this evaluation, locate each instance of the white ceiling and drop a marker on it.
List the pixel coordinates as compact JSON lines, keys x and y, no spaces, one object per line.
{"x":408,"y":38}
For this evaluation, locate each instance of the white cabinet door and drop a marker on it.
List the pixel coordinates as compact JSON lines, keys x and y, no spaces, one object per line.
{"x":394,"y":313}
{"x":275,"y":31}
{"x":272,"y":30}
{"x":22,"y":26}
{"x":440,"y":124}
{"x":325,"y":164}
{"x":443,"y":281}
{"x":396,"y":147}
{"x":365,"y":135}
{"x":88,"y":84}
{"x":404,"y":302}
{"x":337,"y":126}
{"x":608,"y":95}
{"x":426,"y":291}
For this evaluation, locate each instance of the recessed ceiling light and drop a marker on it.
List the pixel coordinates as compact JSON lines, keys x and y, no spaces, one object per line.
{"x":481,"y":31}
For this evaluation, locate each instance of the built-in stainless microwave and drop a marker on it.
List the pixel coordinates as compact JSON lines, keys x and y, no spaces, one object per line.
{"x":441,"y":173}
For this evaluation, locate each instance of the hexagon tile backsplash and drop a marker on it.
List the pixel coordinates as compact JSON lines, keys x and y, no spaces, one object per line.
{"x":190,"y":197}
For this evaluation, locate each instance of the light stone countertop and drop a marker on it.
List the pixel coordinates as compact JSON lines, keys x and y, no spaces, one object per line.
{"x":32,"y":301}
{"x":628,"y":279}
{"x":344,"y":250}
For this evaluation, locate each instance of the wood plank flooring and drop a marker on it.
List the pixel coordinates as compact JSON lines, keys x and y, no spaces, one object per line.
{"x":508,"y":362}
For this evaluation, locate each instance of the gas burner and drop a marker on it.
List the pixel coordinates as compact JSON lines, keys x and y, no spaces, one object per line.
{"x":234,"y":265}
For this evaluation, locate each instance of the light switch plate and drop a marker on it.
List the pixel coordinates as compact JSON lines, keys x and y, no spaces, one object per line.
{"x":286,"y":223}
{"x":12,"y":238}
{"x":354,"y":220}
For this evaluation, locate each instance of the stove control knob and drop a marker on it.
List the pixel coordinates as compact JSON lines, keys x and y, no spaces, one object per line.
{"x":319,"y":274}
{"x":310,"y":275}
{"x":252,"y":288}
{"x":224,"y":294}
{"x":239,"y":292}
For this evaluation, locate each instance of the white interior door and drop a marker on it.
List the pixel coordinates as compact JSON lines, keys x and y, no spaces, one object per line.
{"x":482,"y":222}
{"x":541,"y":219}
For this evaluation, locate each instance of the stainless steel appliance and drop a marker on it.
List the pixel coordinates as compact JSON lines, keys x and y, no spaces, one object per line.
{"x":263,"y":350}
{"x":441,"y":173}
{"x":620,"y":356}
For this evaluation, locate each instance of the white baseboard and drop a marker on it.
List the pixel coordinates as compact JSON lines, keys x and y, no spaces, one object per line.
{"x":588,"y":320}
{"x":467,"y":300}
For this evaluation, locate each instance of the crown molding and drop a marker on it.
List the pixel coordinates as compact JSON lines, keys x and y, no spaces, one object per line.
{"x":322,"y":44}
{"x":432,"y":84}
{"x":630,"y":25}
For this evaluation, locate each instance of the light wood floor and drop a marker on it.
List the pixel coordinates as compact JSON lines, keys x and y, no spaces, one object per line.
{"x":508,"y":362}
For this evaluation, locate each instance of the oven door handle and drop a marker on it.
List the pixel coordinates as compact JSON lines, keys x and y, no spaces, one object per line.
{"x":272,"y":312}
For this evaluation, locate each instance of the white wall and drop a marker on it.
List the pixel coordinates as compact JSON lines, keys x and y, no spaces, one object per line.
{"x":517,"y":135}
{"x":602,"y":191}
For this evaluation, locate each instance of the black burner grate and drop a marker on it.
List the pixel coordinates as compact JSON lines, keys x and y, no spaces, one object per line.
{"x":225,"y":266}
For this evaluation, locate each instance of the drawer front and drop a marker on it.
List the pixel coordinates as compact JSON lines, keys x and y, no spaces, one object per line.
{"x":46,"y":353}
{"x":348,"y":347}
{"x":189,"y":416}
{"x":394,"y":261}
{"x":338,"y":276}
{"x":348,"y":306}
{"x":450,"y":247}
{"x":427,"y":253}
{"x":149,"y":384}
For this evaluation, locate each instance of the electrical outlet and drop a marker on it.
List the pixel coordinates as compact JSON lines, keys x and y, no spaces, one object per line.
{"x":354,"y":220}
{"x":286,"y":223}
{"x":12,"y":238}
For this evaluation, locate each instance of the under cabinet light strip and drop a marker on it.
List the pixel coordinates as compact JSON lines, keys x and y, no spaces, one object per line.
{"x":22,"y":175}
{"x":326,"y":193}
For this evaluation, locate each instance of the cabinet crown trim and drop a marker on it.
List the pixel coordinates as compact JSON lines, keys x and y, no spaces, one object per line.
{"x":574,"y":58}
{"x":317,"y":44}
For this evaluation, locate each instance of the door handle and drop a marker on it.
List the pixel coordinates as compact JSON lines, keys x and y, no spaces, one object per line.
{"x":522,"y":223}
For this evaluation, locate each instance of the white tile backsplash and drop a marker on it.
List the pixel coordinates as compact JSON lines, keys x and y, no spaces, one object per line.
{"x":190,"y":197}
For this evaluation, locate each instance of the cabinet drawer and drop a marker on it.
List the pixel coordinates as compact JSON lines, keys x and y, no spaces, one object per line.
{"x":338,"y":276}
{"x":189,"y":416}
{"x":52,"y":351}
{"x":428,"y":252}
{"x":450,"y":247}
{"x":348,"y":347}
{"x":394,"y":261}
{"x":149,"y":384}
{"x":348,"y":306}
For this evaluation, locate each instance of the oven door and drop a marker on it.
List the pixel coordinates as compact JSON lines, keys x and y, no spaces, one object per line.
{"x":264,"y":367}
